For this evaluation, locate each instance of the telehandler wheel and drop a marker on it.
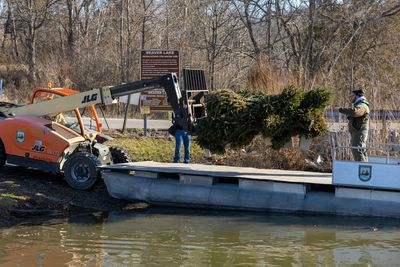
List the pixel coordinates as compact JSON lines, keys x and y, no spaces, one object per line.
{"x":119,"y":155}
{"x":3,"y":155}
{"x":81,"y":170}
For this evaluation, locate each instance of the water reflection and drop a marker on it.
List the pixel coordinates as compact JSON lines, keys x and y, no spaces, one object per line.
{"x":158,"y":237}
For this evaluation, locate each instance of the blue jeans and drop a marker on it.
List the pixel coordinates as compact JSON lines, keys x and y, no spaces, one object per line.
{"x":181,"y":135}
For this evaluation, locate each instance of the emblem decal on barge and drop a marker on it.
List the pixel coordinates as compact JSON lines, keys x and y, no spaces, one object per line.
{"x":365,"y":173}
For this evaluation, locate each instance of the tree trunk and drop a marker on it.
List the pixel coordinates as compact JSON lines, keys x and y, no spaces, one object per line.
{"x":31,"y":53}
{"x":70,"y":31}
{"x":128,"y":43}
{"x":310,"y":66}
{"x":121,"y":46}
{"x":143,"y":31}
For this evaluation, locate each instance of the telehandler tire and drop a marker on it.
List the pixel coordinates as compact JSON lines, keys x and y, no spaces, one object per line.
{"x":80,"y":170}
{"x":119,"y":155}
{"x":3,"y":155}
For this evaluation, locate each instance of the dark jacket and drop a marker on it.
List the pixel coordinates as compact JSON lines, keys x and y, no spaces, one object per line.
{"x":358,"y":115}
{"x":182,"y":120}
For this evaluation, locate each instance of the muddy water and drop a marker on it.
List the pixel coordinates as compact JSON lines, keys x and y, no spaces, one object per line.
{"x":160,"y":237}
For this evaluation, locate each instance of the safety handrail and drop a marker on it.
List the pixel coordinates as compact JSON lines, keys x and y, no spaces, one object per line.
{"x":389,"y":148}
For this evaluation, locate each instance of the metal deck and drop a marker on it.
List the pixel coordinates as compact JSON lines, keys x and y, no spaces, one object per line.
{"x":225,"y":171}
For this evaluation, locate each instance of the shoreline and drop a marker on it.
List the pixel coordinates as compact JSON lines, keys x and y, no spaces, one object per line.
{"x":32,"y":194}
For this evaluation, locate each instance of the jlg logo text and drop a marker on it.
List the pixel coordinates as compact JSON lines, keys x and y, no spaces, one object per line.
{"x":89,"y":98}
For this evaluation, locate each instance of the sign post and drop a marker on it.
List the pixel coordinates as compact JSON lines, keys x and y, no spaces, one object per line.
{"x":1,"y":86}
{"x":145,"y":110}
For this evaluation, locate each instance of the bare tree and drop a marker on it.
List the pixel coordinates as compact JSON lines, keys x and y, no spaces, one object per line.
{"x":248,"y":15}
{"x":10,"y":28}
{"x":31,"y":16}
{"x":217,"y":33}
{"x":70,"y":25}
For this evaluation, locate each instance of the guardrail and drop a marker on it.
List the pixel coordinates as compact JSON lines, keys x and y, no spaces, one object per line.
{"x":333,"y":114}
{"x":386,"y":150}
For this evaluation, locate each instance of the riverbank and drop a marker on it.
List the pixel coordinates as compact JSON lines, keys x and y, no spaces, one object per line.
{"x":27,"y":193}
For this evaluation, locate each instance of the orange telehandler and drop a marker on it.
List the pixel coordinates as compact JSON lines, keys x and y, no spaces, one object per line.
{"x":28,"y":137}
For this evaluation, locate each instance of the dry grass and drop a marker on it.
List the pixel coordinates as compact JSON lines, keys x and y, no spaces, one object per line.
{"x":13,"y":69}
{"x":260,"y":155}
{"x":264,"y":77}
{"x":159,"y":146}
{"x":148,"y":148}
{"x":156,"y":146}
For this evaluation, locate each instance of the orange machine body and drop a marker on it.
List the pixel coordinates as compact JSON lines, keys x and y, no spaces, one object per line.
{"x":29,"y":138}
{"x":41,"y":143}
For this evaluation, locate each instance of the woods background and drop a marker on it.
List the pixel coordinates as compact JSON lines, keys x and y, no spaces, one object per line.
{"x":248,"y":44}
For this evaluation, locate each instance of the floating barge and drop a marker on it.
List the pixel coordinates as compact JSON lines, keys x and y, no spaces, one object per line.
{"x":355,"y":188}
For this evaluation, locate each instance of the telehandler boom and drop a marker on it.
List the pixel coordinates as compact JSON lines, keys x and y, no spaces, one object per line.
{"x":105,"y":95}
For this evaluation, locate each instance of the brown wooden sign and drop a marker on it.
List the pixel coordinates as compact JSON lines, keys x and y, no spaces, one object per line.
{"x":156,"y":63}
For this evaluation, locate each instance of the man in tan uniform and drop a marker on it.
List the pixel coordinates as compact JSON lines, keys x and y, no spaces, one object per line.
{"x":358,"y":117}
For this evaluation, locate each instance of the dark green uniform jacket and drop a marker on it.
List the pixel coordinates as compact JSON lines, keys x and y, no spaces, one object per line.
{"x":358,"y":117}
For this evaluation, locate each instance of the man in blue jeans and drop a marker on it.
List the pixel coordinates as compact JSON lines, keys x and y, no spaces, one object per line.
{"x":182,"y":135}
{"x":182,"y":124}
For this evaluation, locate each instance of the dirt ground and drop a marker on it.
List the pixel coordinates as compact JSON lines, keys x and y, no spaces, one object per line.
{"x":27,"y":193}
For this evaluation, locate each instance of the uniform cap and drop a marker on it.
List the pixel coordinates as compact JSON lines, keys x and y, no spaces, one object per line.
{"x":358,"y":91}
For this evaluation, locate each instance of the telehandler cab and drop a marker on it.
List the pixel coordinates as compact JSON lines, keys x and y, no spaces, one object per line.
{"x":28,"y":136}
